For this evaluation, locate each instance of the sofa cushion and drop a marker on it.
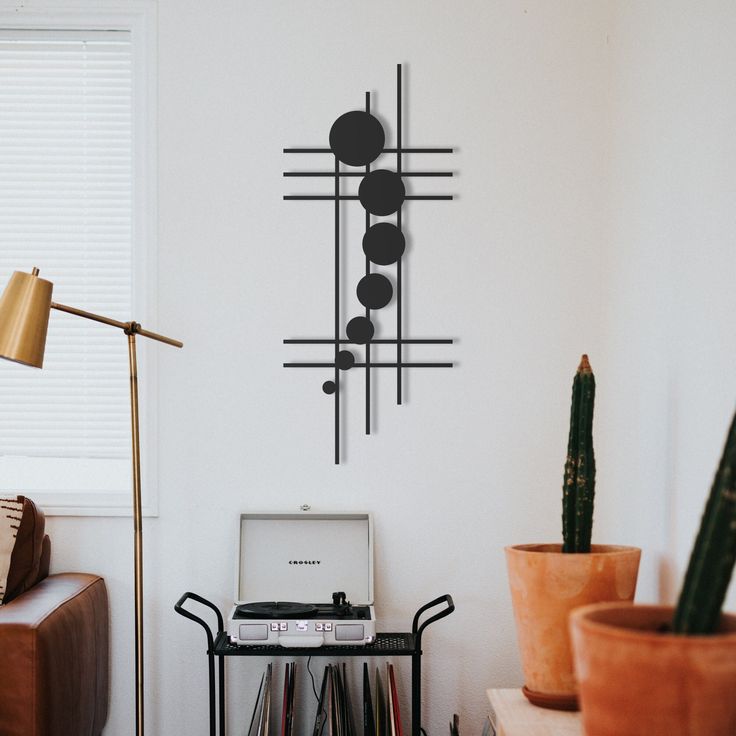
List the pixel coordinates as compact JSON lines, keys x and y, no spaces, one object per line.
{"x":54,"y":640}
{"x":11,"y":512}
{"x":27,"y":563}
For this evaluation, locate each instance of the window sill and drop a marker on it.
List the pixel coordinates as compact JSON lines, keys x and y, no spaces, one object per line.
{"x":89,"y":504}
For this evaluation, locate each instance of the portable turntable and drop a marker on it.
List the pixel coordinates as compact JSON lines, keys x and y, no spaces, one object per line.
{"x":287,"y":560}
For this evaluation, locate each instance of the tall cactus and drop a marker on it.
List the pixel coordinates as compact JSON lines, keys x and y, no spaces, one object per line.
{"x":714,"y":553}
{"x":578,"y":487}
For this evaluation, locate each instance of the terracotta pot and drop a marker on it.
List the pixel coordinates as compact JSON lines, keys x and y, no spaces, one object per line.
{"x":545,"y":586}
{"x":637,"y":681}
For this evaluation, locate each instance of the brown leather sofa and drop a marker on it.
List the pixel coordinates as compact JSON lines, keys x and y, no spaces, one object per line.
{"x":54,"y":643}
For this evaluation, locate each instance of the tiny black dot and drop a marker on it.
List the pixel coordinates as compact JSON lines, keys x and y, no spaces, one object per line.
{"x":381,"y":192}
{"x":345,"y":360}
{"x":328,"y":387}
{"x":360,"y":330}
{"x":357,"y":138}
{"x":374,"y":291}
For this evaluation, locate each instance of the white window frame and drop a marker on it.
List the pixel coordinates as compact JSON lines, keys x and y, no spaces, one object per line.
{"x":138,"y":17}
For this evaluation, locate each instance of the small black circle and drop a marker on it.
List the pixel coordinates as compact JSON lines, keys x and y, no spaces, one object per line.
{"x":328,"y":387}
{"x":345,"y":360}
{"x":357,"y":138}
{"x":384,"y":243}
{"x":360,"y":330}
{"x":381,"y":192}
{"x":374,"y":291}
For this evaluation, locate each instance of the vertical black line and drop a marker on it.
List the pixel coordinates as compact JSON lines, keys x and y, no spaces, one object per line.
{"x":398,"y":224}
{"x":367,"y":310}
{"x":337,"y":310}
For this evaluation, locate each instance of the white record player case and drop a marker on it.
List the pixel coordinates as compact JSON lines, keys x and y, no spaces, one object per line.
{"x":304,"y":558}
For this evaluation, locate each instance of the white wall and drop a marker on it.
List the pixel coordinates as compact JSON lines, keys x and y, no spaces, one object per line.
{"x":560,"y":113}
{"x":672,"y":210}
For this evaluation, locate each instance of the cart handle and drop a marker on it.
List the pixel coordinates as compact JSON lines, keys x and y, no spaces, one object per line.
{"x":417,"y":632}
{"x":179,"y":608}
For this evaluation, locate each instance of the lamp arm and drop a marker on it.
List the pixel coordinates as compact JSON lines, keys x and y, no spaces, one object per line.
{"x":127,"y":327}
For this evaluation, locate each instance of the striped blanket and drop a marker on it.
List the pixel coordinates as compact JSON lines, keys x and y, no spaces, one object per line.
{"x":11,"y":511}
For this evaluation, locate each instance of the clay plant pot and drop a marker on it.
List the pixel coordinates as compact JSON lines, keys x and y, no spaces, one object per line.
{"x":636,"y":680}
{"x":545,"y":586}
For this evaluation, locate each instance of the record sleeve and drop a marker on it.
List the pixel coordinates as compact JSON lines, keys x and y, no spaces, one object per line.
{"x":394,"y":701}
{"x":390,"y":716}
{"x":369,"y":723}
{"x":321,"y":717}
{"x":252,"y":729}
{"x":285,"y":699}
{"x":380,"y":707}
{"x":349,"y":720}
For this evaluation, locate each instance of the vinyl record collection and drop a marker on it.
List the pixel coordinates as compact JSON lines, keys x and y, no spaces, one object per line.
{"x":381,"y":712}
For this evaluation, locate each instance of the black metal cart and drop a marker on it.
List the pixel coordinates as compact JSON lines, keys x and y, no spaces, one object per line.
{"x":407,"y":644}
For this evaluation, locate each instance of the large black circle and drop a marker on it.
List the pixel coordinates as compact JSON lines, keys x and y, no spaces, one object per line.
{"x":273,"y":609}
{"x":381,"y":192}
{"x":329,"y":387}
{"x":357,"y":138}
{"x":345,"y":360}
{"x":374,"y":291}
{"x":360,"y":330}
{"x":383,"y":243}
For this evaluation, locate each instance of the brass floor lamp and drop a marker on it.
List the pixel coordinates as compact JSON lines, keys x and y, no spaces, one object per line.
{"x":24,"y":316}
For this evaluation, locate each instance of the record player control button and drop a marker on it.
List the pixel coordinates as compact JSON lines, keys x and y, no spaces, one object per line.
{"x":319,"y":627}
{"x":328,"y":627}
{"x":274,"y":626}
{"x":283,"y":626}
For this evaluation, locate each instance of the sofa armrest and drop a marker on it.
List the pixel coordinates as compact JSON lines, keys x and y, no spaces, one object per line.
{"x":54,"y":658}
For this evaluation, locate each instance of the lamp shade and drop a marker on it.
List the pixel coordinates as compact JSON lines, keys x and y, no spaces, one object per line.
{"x":24,"y":318}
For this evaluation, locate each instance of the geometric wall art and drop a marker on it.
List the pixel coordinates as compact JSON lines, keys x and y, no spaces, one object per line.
{"x":356,"y":140}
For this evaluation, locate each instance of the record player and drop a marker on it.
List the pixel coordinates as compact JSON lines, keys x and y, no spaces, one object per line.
{"x":287,"y":560}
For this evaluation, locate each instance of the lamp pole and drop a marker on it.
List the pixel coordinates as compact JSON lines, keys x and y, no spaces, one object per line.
{"x":132,"y":329}
{"x":137,"y":532}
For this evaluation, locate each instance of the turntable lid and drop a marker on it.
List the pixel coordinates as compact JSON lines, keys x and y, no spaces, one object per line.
{"x":305,"y":557}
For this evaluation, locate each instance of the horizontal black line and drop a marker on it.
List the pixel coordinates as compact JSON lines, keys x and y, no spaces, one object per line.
{"x":331,"y":197}
{"x":331,"y":174}
{"x":383,"y":341}
{"x":373,"y":365}
{"x":385,"y":150}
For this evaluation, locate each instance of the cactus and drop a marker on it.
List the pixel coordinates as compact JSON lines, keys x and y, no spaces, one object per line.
{"x":714,"y":553}
{"x":578,"y":487}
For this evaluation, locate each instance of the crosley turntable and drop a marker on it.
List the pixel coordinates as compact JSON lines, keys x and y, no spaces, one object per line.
{"x":287,"y":560}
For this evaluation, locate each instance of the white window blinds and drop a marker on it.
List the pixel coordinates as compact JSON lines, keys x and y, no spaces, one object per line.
{"x":66,"y":206}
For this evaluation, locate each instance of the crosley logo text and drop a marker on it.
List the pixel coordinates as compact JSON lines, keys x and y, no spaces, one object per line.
{"x":305,"y":562}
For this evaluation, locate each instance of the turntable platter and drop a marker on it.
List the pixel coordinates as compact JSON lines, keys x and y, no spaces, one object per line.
{"x":276,"y":609}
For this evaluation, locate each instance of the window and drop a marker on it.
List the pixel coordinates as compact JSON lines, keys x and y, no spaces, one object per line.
{"x":73,"y":170}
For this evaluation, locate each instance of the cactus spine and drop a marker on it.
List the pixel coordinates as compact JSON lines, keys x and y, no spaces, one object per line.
{"x":714,"y":553}
{"x":578,"y":487}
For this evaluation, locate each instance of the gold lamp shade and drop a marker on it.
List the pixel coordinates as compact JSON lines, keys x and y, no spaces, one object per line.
{"x":24,"y":318}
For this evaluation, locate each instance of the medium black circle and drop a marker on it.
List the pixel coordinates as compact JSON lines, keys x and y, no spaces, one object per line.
{"x":357,"y":138}
{"x":384,"y":243}
{"x":360,"y":330}
{"x":345,"y":360}
{"x":328,"y":387}
{"x":374,"y":291}
{"x":381,"y":192}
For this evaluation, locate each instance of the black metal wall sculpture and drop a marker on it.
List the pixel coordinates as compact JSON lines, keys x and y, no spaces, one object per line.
{"x":357,"y":139}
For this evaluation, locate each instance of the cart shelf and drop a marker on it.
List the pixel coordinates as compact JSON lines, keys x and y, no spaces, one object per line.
{"x":404,"y":644}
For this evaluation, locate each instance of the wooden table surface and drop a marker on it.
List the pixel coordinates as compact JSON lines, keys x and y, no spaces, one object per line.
{"x":516,"y":716}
